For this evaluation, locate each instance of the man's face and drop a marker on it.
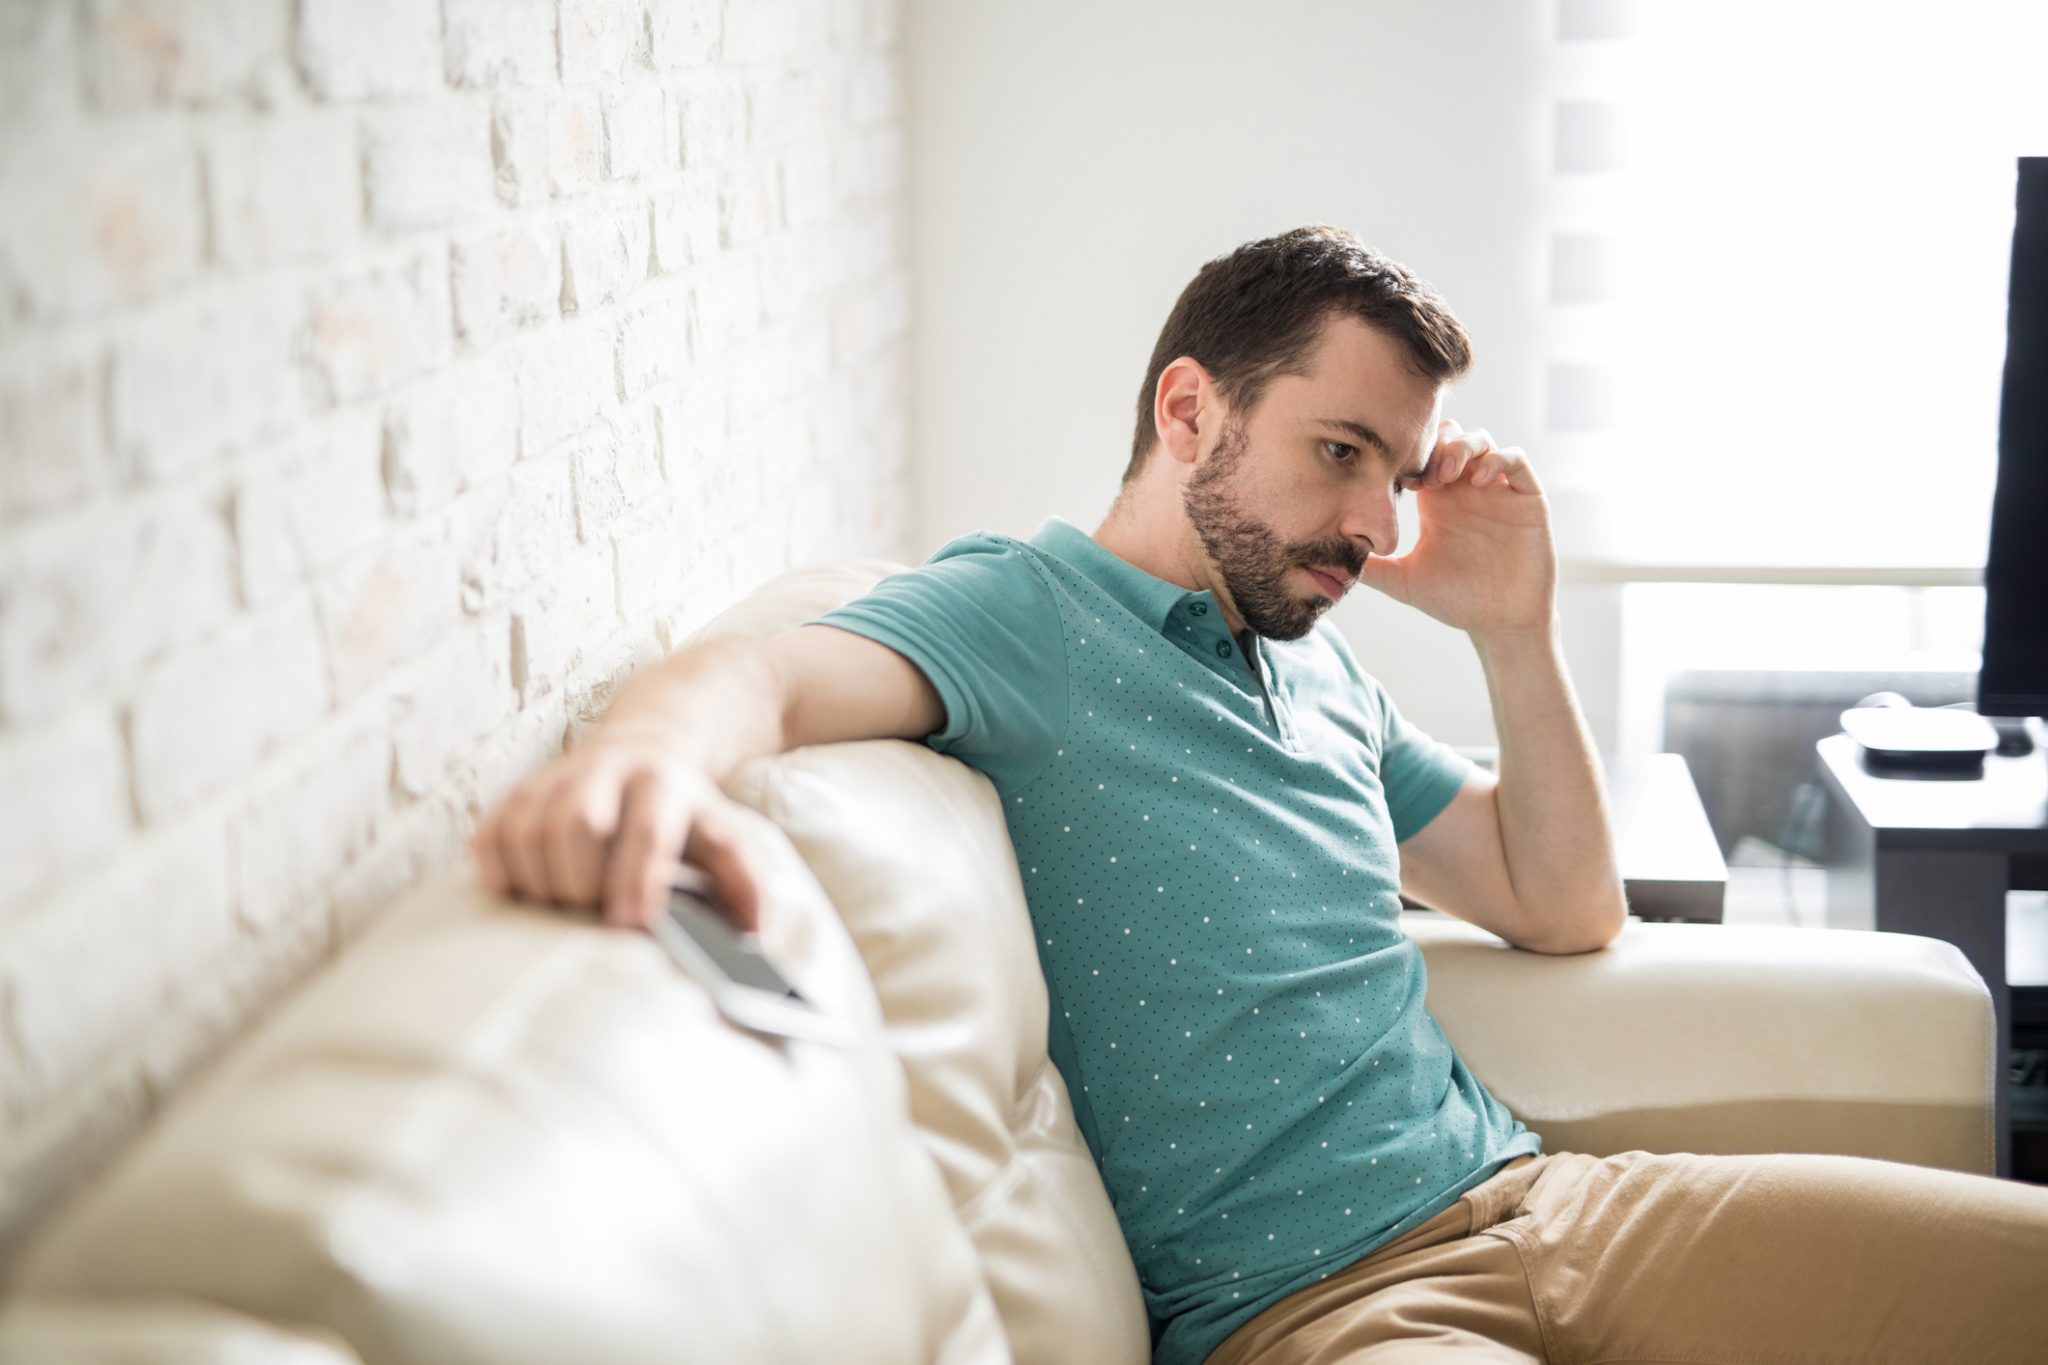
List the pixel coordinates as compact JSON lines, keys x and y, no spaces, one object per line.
{"x":1310,"y":477}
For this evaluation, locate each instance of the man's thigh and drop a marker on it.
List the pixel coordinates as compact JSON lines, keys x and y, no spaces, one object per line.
{"x":1644,"y":1256}
{"x":1444,"y":1291}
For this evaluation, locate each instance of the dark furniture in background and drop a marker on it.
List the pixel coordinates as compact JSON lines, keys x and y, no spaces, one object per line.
{"x":1748,"y":737}
{"x":1936,"y":856}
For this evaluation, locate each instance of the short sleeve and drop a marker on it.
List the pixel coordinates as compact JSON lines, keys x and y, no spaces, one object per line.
{"x":1419,"y":774}
{"x":980,"y":621}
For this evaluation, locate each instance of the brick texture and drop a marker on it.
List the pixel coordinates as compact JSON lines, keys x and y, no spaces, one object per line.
{"x":381,"y":383}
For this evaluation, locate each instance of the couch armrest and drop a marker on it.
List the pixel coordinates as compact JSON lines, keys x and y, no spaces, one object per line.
{"x":1727,"y":1038}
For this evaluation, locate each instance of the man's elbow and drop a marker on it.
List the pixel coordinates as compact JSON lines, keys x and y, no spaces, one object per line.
{"x":1561,"y":934}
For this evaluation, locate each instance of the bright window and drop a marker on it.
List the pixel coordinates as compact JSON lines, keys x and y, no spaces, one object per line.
{"x":1798,"y":270}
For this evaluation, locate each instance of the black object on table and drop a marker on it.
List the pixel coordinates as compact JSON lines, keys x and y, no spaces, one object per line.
{"x":1935,"y":854}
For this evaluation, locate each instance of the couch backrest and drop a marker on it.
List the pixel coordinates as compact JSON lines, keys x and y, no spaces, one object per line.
{"x":489,"y":1133}
{"x":912,"y":848}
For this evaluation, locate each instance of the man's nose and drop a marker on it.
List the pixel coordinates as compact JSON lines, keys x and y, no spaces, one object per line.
{"x":1372,"y":523}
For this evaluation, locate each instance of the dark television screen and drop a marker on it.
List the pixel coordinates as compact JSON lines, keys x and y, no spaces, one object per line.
{"x":2014,"y":679}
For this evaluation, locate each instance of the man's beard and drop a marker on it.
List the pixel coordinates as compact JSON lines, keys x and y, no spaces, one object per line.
{"x":1252,"y":560}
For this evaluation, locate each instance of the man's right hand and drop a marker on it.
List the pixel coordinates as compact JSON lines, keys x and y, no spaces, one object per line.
{"x":602,"y":827}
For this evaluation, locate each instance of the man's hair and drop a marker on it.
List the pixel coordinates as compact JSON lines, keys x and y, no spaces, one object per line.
{"x":1257,"y":313}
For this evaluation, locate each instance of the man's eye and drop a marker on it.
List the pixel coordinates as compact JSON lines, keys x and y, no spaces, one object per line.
{"x":1340,"y":452}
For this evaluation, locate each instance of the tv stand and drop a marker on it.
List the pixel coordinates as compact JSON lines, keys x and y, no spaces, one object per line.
{"x":1935,"y":854}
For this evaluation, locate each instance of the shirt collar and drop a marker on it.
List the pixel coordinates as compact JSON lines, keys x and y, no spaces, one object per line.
{"x":1150,"y":599}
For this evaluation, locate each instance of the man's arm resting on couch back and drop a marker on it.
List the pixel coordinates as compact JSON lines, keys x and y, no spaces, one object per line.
{"x":601,"y":826}
{"x":726,"y":701}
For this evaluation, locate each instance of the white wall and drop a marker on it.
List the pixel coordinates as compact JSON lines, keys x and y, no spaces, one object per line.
{"x":1075,"y":163}
{"x":378,"y":386}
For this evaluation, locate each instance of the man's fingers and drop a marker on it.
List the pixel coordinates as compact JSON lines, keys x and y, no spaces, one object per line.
{"x":575,"y":829}
{"x":714,"y":846}
{"x":1510,"y":465}
{"x":483,"y":845}
{"x":1456,"y":450}
{"x":1449,"y":466}
{"x":1488,"y":464}
{"x":1520,"y":474}
{"x":650,"y":838}
{"x":526,"y":871}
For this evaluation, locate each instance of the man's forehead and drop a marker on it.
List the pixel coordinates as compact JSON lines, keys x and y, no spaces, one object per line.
{"x":1361,"y":375}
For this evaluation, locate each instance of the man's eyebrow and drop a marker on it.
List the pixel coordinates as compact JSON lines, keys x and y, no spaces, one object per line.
{"x":1373,"y":439}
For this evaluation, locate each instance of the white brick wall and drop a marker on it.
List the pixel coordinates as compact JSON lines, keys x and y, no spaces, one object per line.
{"x":381,"y":382}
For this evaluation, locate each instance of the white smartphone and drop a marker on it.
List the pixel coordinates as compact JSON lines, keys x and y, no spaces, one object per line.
{"x":729,"y":965}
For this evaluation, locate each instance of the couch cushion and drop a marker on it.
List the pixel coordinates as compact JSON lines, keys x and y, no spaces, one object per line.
{"x":152,"y":1331}
{"x":912,"y":848}
{"x":490,"y":1133}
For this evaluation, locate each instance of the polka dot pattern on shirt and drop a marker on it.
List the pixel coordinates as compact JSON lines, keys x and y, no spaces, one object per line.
{"x":1211,"y":831}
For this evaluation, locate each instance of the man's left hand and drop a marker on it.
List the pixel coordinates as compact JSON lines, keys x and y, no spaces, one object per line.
{"x":1483,"y":561}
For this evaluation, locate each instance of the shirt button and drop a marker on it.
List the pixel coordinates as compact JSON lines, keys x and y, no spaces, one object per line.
{"x":1198,"y":609}
{"x":1223,"y":649}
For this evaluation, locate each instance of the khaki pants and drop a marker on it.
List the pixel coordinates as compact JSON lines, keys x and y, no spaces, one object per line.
{"x":1641,"y":1256}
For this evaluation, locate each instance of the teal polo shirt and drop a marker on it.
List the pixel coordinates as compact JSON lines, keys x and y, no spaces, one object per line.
{"x":1206,"y":830}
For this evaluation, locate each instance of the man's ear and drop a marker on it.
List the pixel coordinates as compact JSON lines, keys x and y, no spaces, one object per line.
{"x":1183,"y":406}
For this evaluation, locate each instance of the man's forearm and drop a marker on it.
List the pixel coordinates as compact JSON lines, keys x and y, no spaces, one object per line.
{"x":716,"y":704}
{"x":1555,"y":832}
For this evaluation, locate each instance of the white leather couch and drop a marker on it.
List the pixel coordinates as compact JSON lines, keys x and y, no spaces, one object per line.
{"x":489,"y":1133}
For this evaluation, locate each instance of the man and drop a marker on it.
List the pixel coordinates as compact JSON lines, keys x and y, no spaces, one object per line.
{"x":1215,"y":808}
